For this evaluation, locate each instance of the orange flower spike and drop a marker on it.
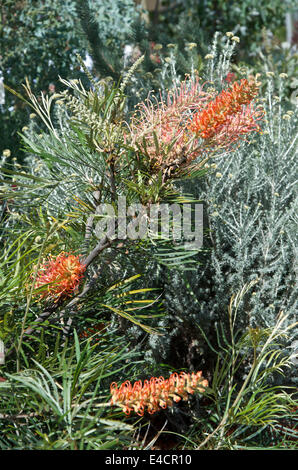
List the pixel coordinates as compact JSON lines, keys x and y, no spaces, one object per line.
{"x":228,"y":103}
{"x":59,"y":276}
{"x":156,"y":393}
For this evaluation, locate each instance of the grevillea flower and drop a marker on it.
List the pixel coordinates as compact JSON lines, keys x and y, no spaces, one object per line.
{"x":156,"y":393}
{"x":59,"y":276}
{"x":227,"y":113}
{"x":158,"y":130}
{"x":191,"y":123}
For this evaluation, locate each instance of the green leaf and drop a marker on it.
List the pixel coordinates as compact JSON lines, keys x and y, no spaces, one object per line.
{"x":127,"y":316}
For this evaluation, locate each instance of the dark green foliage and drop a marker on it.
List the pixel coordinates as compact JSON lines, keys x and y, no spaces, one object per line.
{"x":106,"y":59}
{"x":196,"y":21}
{"x":38,"y":40}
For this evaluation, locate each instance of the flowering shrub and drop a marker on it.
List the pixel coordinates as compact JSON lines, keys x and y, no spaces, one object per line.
{"x":156,"y":393}
{"x":85,"y":158}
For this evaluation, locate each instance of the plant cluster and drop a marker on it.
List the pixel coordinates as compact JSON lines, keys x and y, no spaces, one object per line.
{"x":83,"y":309}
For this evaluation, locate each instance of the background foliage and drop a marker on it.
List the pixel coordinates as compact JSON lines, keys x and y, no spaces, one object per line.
{"x":38,"y":40}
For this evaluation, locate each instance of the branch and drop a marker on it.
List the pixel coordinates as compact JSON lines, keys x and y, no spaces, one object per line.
{"x":44,"y":316}
{"x":101,"y":246}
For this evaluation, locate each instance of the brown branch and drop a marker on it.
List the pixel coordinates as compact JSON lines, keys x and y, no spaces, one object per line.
{"x":44,"y":316}
{"x":101,"y":246}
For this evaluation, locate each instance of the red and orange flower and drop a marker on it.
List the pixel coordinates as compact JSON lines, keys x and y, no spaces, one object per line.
{"x":156,"y":393}
{"x":227,"y":113}
{"x":59,"y":276}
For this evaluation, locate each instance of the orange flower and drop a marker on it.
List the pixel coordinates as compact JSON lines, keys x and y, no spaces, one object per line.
{"x":220,"y":112}
{"x":156,"y":393}
{"x":59,"y":276}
